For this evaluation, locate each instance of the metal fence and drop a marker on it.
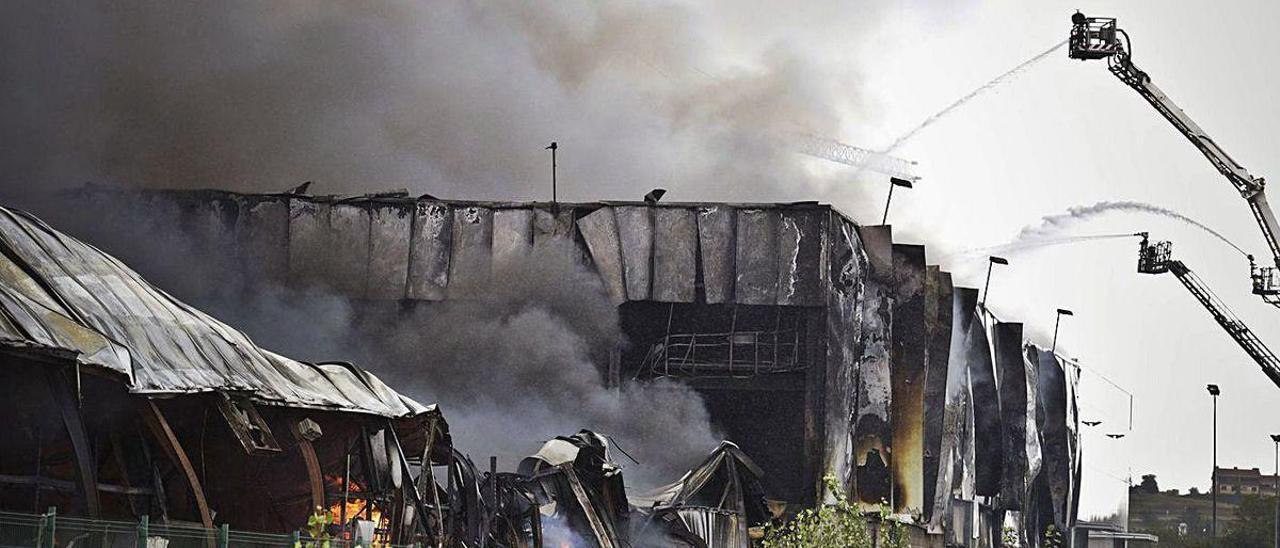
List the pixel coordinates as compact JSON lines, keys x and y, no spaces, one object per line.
{"x":49,"y":530}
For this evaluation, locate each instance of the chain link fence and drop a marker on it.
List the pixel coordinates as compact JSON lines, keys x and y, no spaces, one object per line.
{"x":49,"y":530}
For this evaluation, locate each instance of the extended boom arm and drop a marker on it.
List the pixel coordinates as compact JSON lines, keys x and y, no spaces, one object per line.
{"x":1099,"y":38}
{"x":1156,"y":258}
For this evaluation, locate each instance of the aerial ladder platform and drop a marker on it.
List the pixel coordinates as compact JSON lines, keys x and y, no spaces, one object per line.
{"x":1095,"y":38}
{"x":1156,"y":258}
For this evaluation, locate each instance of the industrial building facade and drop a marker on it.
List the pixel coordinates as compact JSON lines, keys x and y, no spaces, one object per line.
{"x":820,"y":347}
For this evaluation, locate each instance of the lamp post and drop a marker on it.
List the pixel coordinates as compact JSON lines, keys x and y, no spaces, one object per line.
{"x":1275,"y":486}
{"x":1214,"y":391}
{"x":986,"y":288}
{"x":553,"y":147}
{"x":1053,"y":351}
{"x":893,"y":181}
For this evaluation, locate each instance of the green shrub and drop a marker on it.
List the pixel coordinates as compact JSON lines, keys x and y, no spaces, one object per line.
{"x":834,"y":525}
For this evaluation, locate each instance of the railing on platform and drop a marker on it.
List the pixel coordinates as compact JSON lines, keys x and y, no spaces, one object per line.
{"x":734,"y":354}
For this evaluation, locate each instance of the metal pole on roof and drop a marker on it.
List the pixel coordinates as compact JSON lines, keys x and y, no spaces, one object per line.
{"x":893,"y":181}
{"x":1053,"y":350}
{"x":991,"y":261}
{"x":553,"y":147}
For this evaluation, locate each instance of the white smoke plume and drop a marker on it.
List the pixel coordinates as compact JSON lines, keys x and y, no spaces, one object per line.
{"x":1022,"y":245}
{"x":1051,"y":225}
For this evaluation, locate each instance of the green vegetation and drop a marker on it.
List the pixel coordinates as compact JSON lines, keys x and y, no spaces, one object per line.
{"x":1244,"y":521}
{"x":836,"y":525}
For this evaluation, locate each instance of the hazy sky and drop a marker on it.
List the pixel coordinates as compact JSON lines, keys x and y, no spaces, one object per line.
{"x":458,"y":99}
{"x":1068,"y":133}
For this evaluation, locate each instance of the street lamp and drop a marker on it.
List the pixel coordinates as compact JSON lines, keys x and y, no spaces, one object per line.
{"x":1276,"y":490}
{"x":1213,"y":529}
{"x":1061,"y":312}
{"x":893,"y":181}
{"x":991,"y":261}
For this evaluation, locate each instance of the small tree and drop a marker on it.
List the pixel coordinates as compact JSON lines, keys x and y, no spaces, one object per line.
{"x":1149,"y":484}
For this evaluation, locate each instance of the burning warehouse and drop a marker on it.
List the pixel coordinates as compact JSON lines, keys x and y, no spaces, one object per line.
{"x":122,"y":402}
{"x":819,"y":347}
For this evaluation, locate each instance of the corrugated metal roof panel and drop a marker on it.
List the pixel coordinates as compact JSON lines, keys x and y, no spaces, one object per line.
{"x":56,"y":291}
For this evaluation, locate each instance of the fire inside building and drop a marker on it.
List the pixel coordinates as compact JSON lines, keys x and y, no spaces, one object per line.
{"x":822,"y":349}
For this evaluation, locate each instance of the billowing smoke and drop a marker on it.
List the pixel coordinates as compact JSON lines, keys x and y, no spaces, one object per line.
{"x":522,"y":364}
{"x":511,"y":369}
{"x":451,"y":97}
{"x":1052,"y":225}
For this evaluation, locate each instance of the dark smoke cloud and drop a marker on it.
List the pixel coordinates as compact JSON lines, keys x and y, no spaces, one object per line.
{"x":522,"y":364}
{"x":455,"y":98}
{"x":511,"y":369}
{"x":451,"y":97}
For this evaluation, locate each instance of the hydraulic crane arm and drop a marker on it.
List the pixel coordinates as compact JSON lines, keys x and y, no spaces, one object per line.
{"x":835,"y":151}
{"x":1155,"y":259}
{"x":1100,"y":38}
{"x":1234,"y":327}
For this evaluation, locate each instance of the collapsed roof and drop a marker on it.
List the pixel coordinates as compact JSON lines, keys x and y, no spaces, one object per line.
{"x":61,"y":296}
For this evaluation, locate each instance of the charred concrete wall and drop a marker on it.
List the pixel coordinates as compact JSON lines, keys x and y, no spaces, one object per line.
{"x":908,"y":392}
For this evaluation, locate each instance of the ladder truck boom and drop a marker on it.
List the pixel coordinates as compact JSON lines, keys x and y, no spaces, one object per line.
{"x":1156,"y":258}
{"x":1100,"y":38}
{"x":861,"y":158}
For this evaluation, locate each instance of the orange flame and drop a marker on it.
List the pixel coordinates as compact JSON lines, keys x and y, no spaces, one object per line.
{"x":355,"y":508}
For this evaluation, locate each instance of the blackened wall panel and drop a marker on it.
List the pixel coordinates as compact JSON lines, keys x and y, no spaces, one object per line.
{"x":308,"y":242}
{"x":937,"y":322}
{"x":717,"y":249}
{"x":800,"y":250}
{"x":635,"y":232}
{"x":431,"y":245}
{"x":1051,"y":410}
{"x":675,"y":254}
{"x":987,"y":424}
{"x":1013,"y":409}
{"x":908,"y":362}
{"x":512,"y":234}
{"x":552,"y":225}
{"x":348,"y":250}
{"x":872,"y":433}
{"x":757,"y":257}
{"x":955,"y":467}
{"x":390,"y":225}
{"x":263,"y":232}
{"x":600,"y":231}
{"x":471,"y":260}
{"x":848,"y":270}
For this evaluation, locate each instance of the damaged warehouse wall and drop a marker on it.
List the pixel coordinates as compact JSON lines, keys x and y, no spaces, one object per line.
{"x":160,"y":410}
{"x":860,"y":357}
